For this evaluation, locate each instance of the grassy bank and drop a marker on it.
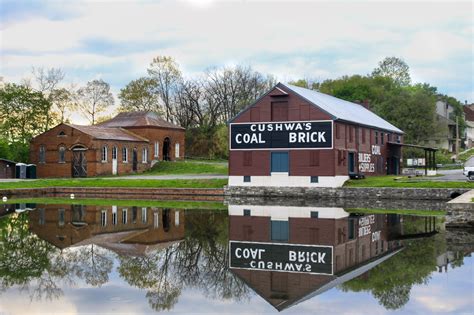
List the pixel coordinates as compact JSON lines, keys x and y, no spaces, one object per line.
{"x":405,"y":182}
{"x":188,"y":167}
{"x":132,"y":183}
{"x":123,"y":203}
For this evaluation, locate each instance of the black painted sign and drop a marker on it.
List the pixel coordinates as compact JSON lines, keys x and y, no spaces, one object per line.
{"x":313,"y":259}
{"x":281,"y":135}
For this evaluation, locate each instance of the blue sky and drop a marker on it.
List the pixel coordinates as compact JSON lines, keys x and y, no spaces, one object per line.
{"x":116,"y":40}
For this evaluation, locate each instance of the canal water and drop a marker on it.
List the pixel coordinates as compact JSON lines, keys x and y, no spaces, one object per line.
{"x":243,"y":258}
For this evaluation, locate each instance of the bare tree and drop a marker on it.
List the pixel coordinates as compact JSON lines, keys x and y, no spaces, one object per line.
{"x":94,"y":99}
{"x":165,"y":71}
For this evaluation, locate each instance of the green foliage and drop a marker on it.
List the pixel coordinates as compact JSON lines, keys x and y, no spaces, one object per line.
{"x":205,"y":143}
{"x":394,"y":68}
{"x":188,"y":167}
{"x":110,"y":182}
{"x":23,"y":113}
{"x":140,"y":95}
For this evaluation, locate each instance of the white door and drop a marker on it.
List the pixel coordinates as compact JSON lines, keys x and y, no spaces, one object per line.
{"x":114,"y":161}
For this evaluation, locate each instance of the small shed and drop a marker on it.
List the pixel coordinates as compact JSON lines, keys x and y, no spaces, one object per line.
{"x":7,"y":168}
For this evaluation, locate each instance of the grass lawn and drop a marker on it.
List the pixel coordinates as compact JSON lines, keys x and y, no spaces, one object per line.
{"x":404,"y":211}
{"x":404,"y":181}
{"x":188,"y":167}
{"x":123,"y":203}
{"x":99,"y":182}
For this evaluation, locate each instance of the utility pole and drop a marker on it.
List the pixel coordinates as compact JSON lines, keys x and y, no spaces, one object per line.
{"x":457,"y":138}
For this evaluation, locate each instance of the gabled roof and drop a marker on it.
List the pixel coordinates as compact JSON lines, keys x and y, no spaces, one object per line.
{"x":341,"y":109}
{"x":138,"y":119}
{"x":104,"y":133}
{"x":469,"y":113}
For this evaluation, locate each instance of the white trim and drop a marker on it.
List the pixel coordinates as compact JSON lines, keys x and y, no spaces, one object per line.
{"x":281,"y":122}
{"x":285,"y":180}
{"x":283,"y":213}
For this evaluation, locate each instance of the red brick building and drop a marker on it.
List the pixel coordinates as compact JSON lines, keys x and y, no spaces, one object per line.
{"x":297,"y":137}
{"x":127,"y":143}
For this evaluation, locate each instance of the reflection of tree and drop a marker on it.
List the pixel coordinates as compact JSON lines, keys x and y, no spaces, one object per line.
{"x":39,"y":268}
{"x":199,"y":261}
{"x":391,"y":281}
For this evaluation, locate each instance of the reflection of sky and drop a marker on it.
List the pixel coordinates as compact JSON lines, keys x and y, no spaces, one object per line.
{"x":450,"y":292}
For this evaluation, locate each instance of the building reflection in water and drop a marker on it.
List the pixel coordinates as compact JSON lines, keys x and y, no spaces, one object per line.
{"x":280,"y":251}
{"x":124,"y":230}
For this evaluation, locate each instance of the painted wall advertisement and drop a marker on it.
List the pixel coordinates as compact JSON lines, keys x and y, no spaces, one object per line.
{"x":365,"y":228}
{"x":366,"y":163}
{"x":281,"y":135}
{"x":313,"y":259}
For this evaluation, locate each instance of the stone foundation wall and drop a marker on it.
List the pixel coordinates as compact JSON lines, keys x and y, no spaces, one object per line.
{"x":345,"y":192}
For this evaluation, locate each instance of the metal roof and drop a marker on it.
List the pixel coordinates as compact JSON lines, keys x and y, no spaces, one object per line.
{"x":138,"y":119}
{"x":341,"y":109}
{"x":104,"y":133}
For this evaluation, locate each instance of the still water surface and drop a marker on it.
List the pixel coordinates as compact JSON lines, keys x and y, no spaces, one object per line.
{"x":77,"y":259}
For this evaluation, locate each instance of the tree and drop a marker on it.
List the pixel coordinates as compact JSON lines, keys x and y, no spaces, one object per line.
{"x":165,"y":71}
{"x":94,"y":99}
{"x":23,"y":113}
{"x":394,"y":68}
{"x":140,"y":95}
{"x":47,"y":81}
{"x":63,"y":100}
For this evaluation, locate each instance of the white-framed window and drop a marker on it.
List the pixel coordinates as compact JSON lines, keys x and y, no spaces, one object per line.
{"x":144,"y":215}
{"x":176,"y":150}
{"x":103,"y":218}
{"x":42,"y":154}
{"x":176,"y":218}
{"x":125,"y":155}
{"x":124,"y":216}
{"x":156,"y":220}
{"x":114,"y":153}
{"x":62,"y":154}
{"x":157,"y":149}
{"x":114,"y":215}
{"x":145,"y":155}
{"x":104,"y":153}
{"x":61,"y":217}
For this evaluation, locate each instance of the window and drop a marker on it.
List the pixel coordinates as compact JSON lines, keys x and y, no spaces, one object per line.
{"x":314,"y":214}
{"x":247,"y":158}
{"x":62,"y":154}
{"x":352,"y":229}
{"x":103,"y":218}
{"x":42,"y":154}
{"x":280,"y":231}
{"x":314,"y":158}
{"x":157,"y":149}
{"x":104,"y":153}
{"x":61,"y":134}
{"x":315,"y":179}
{"x":134,"y":215}
{"x":176,"y":150}
{"x":114,"y":153}
{"x":125,"y":155}
{"x":156,"y":220}
{"x":247,"y":179}
{"x":376,"y":137}
{"x":61,"y":216}
{"x":144,"y":215}
{"x":114,"y":215}
{"x":381,"y":137}
{"x":124,"y":216}
{"x":145,"y":155}
{"x":41,"y":220}
{"x":389,"y":137}
{"x":279,"y":162}
{"x":399,"y":139}
{"x":176,"y":218}
{"x":247,"y":212}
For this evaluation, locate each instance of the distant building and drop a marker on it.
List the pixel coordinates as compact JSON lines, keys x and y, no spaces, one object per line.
{"x":127,"y":143}
{"x":469,"y":132}
{"x":297,"y":137}
{"x":445,"y":135}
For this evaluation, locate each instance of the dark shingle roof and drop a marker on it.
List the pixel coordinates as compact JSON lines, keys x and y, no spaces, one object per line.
{"x":138,"y":119}
{"x":105,"y":133}
{"x":469,"y":113}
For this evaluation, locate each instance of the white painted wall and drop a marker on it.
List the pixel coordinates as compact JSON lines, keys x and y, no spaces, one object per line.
{"x":284,"y":180}
{"x":282,"y":213}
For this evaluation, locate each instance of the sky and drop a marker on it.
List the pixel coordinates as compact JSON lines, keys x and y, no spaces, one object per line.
{"x":116,"y":40}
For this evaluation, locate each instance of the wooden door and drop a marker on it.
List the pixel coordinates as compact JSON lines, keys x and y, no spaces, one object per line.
{"x":79,"y":163}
